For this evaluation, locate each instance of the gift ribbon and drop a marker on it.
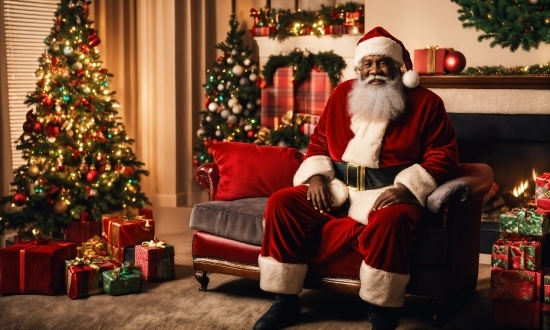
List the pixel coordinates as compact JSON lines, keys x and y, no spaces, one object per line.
{"x":154,"y":244}
{"x":113,"y":232}
{"x":124,"y":272}
{"x":431,"y":57}
{"x":93,"y":280}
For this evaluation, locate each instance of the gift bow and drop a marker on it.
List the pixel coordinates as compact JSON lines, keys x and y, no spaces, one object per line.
{"x":125,"y":271}
{"x":89,"y":262}
{"x":154,"y":243}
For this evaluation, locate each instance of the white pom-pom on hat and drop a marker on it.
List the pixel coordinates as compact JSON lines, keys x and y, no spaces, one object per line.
{"x":378,"y":41}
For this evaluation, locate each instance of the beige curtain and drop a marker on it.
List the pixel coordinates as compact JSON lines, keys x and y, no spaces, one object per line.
{"x":158,"y":52}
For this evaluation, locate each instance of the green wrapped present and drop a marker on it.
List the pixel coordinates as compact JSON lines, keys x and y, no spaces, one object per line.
{"x":123,"y":280}
{"x":524,"y":222}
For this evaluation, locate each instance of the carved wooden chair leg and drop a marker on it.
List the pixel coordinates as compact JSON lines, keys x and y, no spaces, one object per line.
{"x":201,"y":277}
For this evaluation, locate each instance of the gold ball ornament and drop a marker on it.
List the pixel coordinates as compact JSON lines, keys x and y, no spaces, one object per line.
{"x":60,"y":207}
{"x":33,"y":170}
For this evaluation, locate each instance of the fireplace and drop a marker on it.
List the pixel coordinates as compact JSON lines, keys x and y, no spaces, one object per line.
{"x":516,"y":147}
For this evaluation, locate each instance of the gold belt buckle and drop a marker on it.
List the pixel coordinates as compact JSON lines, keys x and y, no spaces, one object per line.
{"x":359,"y":177}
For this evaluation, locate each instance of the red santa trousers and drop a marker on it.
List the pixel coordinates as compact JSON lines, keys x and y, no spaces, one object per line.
{"x":295,"y":234}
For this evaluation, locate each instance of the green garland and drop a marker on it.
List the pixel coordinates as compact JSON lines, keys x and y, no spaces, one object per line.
{"x":328,"y":62}
{"x":502,"y":71}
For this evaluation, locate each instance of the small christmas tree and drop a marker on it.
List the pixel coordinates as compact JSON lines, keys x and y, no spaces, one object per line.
{"x":79,"y":161}
{"x":232,"y":97}
{"x":509,"y":23}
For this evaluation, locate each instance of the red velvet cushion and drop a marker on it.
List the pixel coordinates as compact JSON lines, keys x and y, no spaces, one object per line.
{"x":248,"y":170}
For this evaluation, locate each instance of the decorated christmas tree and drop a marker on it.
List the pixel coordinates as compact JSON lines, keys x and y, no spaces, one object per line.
{"x":79,"y":161}
{"x":508,"y":23}
{"x":232,"y":98}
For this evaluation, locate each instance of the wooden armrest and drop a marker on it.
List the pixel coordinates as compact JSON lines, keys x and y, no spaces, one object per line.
{"x":474,"y":180}
{"x":208,"y":177}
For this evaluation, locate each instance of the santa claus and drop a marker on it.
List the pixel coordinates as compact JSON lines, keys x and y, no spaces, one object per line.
{"x":382,"y":145}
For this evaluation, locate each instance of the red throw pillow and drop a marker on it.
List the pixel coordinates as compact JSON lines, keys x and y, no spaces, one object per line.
{"x":248,"y":170}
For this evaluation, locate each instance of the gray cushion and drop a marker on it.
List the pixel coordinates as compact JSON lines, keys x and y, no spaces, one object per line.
{"x":240,"y":219}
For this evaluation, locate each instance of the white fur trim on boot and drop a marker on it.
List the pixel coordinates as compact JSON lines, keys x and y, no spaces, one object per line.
{"x":281,"y":277}
{"x":361,"y":203}
{"x":418,"y":180}
{"x":311,"y":166}
{"x":382,"y":288}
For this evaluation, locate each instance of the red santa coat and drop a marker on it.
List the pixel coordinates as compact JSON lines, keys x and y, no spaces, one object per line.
{"x":422,"y":135}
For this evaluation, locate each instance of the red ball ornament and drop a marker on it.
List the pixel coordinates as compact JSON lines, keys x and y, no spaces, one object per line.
{"x":19,"y":198}
{"x":196,"y":162}
{"x":30,"y":116}
{"x":127,"y":171}
{"x":47,"y":102}
{"x":455,"y":62}
{"x":38,"y":127}
{"x":250,"y":134}
{"x":92,"y":176}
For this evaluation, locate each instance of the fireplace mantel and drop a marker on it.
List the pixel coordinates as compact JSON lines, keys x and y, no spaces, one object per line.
{"x":539,"y":82}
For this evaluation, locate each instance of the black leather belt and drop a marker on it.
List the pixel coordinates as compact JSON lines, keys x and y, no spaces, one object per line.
{"x":358,"y":177}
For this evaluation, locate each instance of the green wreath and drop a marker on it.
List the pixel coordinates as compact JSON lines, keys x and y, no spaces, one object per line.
{"x":328,"y":62}
{"x":509,"y":23}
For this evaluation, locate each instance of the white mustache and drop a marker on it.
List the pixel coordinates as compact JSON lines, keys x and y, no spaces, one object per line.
{"x":371,"y":78}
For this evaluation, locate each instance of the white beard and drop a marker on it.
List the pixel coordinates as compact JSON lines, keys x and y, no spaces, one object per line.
{"x":386,"y":101}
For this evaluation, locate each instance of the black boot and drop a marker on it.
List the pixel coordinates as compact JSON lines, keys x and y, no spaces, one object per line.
{"x":284,"y":312}
{"x":384,"y":318}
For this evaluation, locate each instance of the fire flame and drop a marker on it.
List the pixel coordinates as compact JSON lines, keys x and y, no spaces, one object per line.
{"x":521,"y":189}
{"x":534,"y":175}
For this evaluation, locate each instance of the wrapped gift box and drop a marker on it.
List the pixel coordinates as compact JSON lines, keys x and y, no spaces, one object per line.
{"x":123,"y":280}
{"x":543,"y":203}
{"x":123,"y":231}
{"x":309,"y":127}
{"x":518,"y":255}
{"x":262,"y":31}
{"x":95,"y":247}
{"x":430,"y":60}
{"x":546,"y":285}
{"x":278,"y":98}
{"x":525,"y":222}
{"x":34,"y":267}
{"x":79,"y":232}
{"x":542,"y":183}
{"x":511,"y":314}
{"x":519,"y":285}
{"x":122,"y":254}
{"x":313,"y":93}
{"x":156,"y":260}
{"x":84,"y":278}
{"x":336,"y":29}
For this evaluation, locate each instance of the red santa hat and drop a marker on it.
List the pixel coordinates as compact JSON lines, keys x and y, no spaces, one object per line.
{"x":380,"y":42}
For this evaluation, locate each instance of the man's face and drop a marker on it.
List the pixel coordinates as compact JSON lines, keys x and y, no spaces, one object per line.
{"x":377,"y":65}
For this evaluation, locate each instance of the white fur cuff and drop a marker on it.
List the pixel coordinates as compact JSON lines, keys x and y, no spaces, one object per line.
{"x":339,"y":192}
{"x":311,"y":166}
{"x":382,"y":288}
{"x":280,"y":277}
{"x":418,"y":181}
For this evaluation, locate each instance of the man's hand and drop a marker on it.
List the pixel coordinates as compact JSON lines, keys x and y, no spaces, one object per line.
{"x":319,"y":193}
{"x":397,"y":195}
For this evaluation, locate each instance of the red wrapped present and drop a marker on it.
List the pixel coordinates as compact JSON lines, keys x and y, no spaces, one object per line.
{"x":313,"y":93}
{"x":277,"y":99}
{"x":79,"y":232}
{"x":156,"y":260}
{"x":523,"y":254}
{"x":34,"y":267}
{"x":146,"y":213}
{"x":546,"y":285}
{"x":543,"y":203}
{"x":520,"y":285}
{"x":83,"y":277}
{"x":430,"y":60}
{"x":516,"y":314}
{"x":335,"y":29}
{"x":262,"y":31}
{"x":123,"y":231}
{"x":542,"y":184}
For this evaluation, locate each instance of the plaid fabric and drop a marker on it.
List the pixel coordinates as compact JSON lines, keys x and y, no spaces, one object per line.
{"x":312,"y":95}
{"x":279,"y":98}
{"x":263,"y":31}
{"x":336,"y":29}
